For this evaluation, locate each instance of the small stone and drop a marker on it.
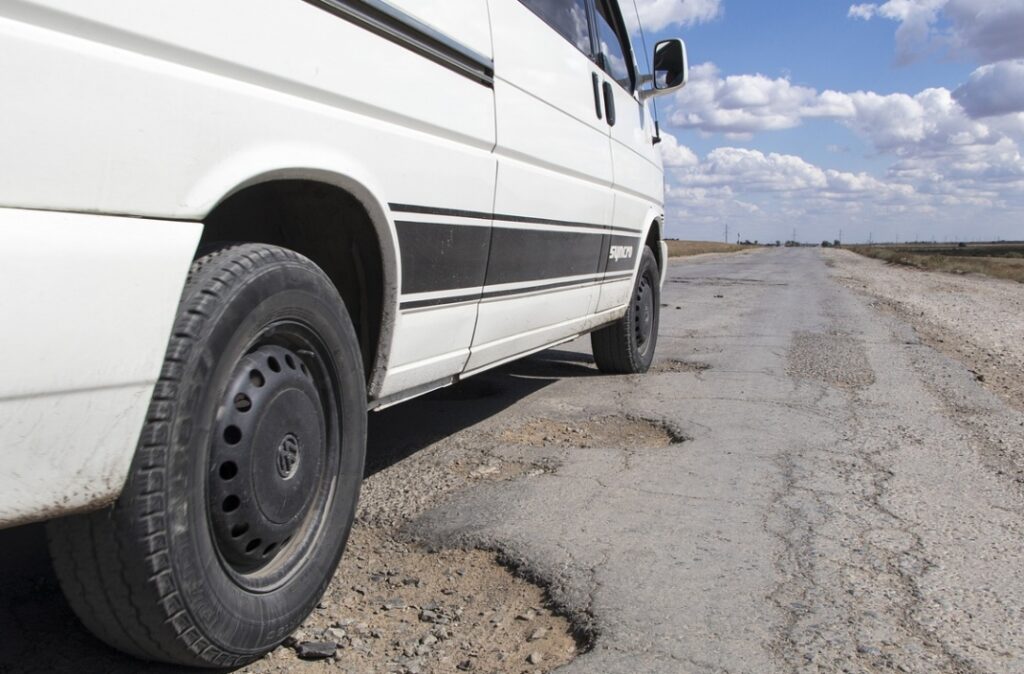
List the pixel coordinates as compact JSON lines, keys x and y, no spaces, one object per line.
{"x":868,"y":650}
{"x":537,"y":634}
{"x":527,"y":615}
{"x":465,"y":665}
{"x":316,"y":650}
{"x":335,"y":634}
{"x":535,"y":658}
{"x":394,"y":603}
{"x":484,"y":471}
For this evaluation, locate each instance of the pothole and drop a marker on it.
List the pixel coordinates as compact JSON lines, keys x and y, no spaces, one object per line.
{"x":395,"y":607}
{"x":674,"y":365}
{"x":617,"y":431}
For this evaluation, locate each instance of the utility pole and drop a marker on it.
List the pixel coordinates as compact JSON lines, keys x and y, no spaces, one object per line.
{"x":840,"y":236}
{"x":727,"y":232}
{"x":794,"y":235}
{"x":869,"y":237}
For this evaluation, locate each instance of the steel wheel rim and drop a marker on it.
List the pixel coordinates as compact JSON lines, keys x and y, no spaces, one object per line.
{"x":643,"y":313}
{"x":263,"y":535}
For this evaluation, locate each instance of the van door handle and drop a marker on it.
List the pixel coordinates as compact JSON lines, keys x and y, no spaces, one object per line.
{"x":597,"y":95}
{"x":609,"y":103}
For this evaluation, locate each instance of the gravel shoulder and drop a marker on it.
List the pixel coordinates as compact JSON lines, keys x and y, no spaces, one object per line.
{"x":977,"y":319}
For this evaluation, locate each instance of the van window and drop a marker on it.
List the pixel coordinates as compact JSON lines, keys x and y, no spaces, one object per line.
{"x":616,"y":58}
{"x":568,"y":17}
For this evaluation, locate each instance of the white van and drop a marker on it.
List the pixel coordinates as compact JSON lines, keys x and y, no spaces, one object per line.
{"x":228,"y":229}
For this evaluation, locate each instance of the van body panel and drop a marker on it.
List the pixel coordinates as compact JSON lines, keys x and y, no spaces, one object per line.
{"x":85,"y":304}
{"x":474,"y":137}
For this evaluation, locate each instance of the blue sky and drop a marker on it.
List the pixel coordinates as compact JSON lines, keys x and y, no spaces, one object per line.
{"x":896,"y":120}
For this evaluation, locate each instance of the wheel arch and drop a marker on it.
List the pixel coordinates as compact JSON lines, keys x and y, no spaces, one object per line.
{"x":305,"y":209}
{"x":654,"y":236}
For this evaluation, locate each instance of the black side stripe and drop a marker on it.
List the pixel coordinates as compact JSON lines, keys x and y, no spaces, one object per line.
{"x":458,"y":299}
{"x":500,"y":217}
{"x":439,"y":256}
{"x":406,"y":31}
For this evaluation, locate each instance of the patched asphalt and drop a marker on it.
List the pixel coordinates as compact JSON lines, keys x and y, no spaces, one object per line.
{"x":843,"y":502}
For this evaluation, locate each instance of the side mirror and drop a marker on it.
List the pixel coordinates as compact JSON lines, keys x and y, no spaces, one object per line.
{"x":671,"y":68}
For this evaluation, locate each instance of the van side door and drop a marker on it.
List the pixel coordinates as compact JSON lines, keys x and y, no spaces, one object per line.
{"x":638,"y":184}
{"x":441,"y":184}
{"x":553,"y":199}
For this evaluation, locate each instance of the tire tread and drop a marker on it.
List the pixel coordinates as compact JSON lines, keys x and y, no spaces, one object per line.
{"x":612,"y":345}
{"x":89,"y":551}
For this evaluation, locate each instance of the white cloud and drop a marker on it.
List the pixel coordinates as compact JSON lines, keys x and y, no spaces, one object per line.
{"x":764,"y":195}
{"x":995,"y":89}
{"x":658,"y":14}
{"x":675,"y":155}
{"x":927,"y":123}
{"x":744,"y":104}
{"x":751,"y":170}
{"x":943,"y":156}
{"x":931,"y":123}
{"x":727,"y":171}
{"x":991,"y":29}
{"x":863,"y":11}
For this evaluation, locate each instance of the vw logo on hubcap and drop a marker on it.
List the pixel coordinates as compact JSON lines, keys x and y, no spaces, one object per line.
{"x":288,"y":456}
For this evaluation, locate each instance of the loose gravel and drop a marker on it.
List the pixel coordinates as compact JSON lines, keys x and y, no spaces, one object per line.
{"x":977,"y":319}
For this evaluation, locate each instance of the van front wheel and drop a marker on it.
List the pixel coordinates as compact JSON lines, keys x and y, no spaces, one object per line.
{"x":243,"y":487}
{"x":627,"y":345}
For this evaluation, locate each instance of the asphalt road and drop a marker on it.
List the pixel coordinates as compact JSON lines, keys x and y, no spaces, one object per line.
{"x":843,"y":503}
{"x":842,"y":498}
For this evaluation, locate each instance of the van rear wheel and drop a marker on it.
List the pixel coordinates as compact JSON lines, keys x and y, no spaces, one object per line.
{"x":243,"y":488}
{"x":627,"y":345}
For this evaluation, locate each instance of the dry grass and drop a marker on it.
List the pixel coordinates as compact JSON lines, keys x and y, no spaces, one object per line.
{"x":683,"y":248}
{"x":1000,"y":261}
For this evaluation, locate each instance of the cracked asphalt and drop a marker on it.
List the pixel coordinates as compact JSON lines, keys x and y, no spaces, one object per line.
{"x":845,"y":500}
{"x":800,"y":484}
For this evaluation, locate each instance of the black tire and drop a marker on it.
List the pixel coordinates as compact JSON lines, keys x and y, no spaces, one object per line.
{"x":627,"y":345}
{"x":256,"y":430}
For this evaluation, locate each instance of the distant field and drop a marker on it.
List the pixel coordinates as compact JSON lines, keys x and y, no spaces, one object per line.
{"x":1001,"y":260}
{"x":684,"y":248}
